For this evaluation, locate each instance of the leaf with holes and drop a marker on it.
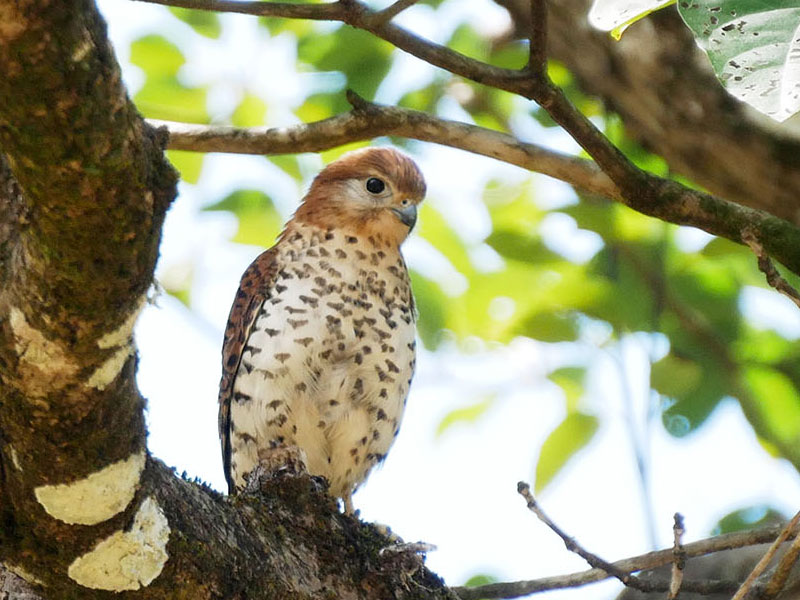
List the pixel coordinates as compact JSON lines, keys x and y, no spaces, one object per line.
{"x":754,"y":47}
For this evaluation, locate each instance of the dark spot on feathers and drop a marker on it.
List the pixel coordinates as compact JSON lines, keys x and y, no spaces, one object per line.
{"x":240,"y":397}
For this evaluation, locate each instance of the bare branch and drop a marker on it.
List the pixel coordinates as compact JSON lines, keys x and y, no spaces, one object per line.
{"x":774,"y":278}
{"x":391,"y":11}
{"x":374,"y":121}
{"x":782,"y":570}
{"x":573,"y":546}
{"x":537,"y":52}
{"x":515,"y":589}
{"x":678,"y":558}
{"x":784,"y":535}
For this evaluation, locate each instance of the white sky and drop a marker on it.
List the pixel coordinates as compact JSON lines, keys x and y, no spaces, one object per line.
{"x":457,"y":491}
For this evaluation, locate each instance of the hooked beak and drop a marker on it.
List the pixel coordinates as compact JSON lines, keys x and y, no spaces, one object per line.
{"x":408,"y":215}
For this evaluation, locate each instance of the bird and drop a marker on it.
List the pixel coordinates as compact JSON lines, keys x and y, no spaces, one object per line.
{"x":319,"y":350}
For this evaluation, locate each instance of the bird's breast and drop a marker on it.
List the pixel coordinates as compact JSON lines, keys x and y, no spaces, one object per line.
{"x":330,"y":356}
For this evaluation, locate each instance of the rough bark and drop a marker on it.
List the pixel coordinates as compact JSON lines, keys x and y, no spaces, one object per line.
{"x":662,"y":87}
{"x":84,"y":187}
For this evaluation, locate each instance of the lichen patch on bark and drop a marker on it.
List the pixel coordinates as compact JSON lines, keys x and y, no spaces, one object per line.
{"x":45,"y":365}
{"x":108,"y":371}
{"x":95,"y":498}
{"x":127,"y":560}
{"x":21,"y":572}
{"x":122,"y":334}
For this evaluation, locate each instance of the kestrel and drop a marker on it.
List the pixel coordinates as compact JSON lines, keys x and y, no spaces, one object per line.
{"x":319,"y":349}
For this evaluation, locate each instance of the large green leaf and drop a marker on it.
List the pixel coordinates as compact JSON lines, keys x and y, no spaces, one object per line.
{"x":572,"y":434}
{"x":754,"y":48}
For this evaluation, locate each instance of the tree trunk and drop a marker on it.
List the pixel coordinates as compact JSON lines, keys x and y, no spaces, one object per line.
{"x":84,"y":187}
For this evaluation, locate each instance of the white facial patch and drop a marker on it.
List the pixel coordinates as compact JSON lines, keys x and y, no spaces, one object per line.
{"x":95,"y":498}
{"x":127,"y":560}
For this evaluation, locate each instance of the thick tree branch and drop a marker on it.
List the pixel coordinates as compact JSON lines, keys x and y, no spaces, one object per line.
{"x":370,"y":121}
{"x":673,"y":203}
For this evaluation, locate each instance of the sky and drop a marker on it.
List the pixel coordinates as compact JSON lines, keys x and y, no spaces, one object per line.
{"x":456,"y":490}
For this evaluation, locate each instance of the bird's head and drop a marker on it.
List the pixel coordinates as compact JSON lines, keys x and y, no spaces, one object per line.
{"x":369,"y":192}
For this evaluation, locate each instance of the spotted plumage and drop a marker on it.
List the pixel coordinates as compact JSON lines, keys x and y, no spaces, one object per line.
{"x":319,"y":349}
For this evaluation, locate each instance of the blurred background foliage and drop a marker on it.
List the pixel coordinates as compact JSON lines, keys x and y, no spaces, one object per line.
{"x":580,"y":274}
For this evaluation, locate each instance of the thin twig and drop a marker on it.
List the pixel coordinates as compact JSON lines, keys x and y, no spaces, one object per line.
{"x":774,"y":278}
{"x":678,"y":558}
{"x":595,"y":561}
{"x":782,"y":570}
{"x":788,"y":530}
{"x":650,"y":560}
{"x":391,"y":11}
{"x":516,"y":589}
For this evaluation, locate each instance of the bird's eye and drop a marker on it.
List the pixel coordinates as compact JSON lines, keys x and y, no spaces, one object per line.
{"x":405,"y":202}
{"x":375,"y":185}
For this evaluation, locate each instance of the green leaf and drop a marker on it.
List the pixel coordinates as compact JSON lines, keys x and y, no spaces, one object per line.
{"x":674,"y":376}
{"x":469,"y":43}
{"x":571,"y":381}
{"x":188,"y":164}
{"x":617,"y":15}
{"x":479,"y":580}
{"x":466,"y":414}
{"x":156,"y":56}
{"x":204,"y":22}
{"x":251,"y":112}
{"x":289,"y":164}
{"x":364,"y":66}
{"x":259,"y":222}
{"x":163,"y":96}
{"x":752,"y":517}
{"x":524,"y":248}
{"x":549,"y":327}
{"x":775,"y":405}
{"x":432,"y":307}
{"x":572,"y":434}
{"x":434,"y":227}
{"x":754,"y":49}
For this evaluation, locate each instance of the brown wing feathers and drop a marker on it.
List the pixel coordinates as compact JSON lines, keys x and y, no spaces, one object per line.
{"x":254,"y":288}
